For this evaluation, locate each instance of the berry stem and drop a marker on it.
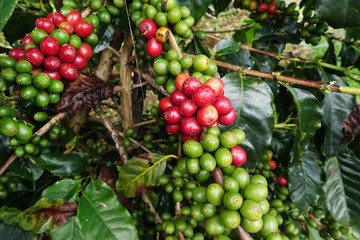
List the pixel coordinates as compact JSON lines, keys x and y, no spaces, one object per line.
{"x":44,"y":129}
{"x":175,"y":46}
{"x":147,"y":201}
{"x":134,"y":125}
{"x":148,"y":78}
{"x":317,"y":221}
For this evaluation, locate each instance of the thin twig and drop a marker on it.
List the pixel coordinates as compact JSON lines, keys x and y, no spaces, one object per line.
{"x":175,"y":46}
{"x":330,"y":36}
{"x":317,"y":221}
{"x":115,"y":136}
{"x":134,"y":125}
{"x":147,"y":201}
{"x":148,"y":78}
{"x":276,"y":77}
{"x":114,"y":51}
{"x":44,"y":129}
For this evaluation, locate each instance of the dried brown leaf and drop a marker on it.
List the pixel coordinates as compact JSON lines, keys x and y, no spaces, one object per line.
{"x":351,"y":125}
{"x":86,"y":92}
{"x":59,"y":213}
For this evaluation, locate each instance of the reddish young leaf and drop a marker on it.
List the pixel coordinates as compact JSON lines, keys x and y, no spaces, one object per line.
{"x":59,"y":213}
{"x":86,"y":92}
{"x":351,"y":125}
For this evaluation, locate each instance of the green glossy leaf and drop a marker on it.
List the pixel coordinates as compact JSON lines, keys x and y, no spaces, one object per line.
{"x":62,"y":165}
{"x":6,"y":9}
{"x":304,"y":180}
{"x":69,"y":231}
{"x":66,"y":189}
{"x":140,"y":172}
{"x":252,"y":99}
{"x":9,"y":232}
{"x":336,"y":107}
{"x":197,"y":7}
{"x":309,"y":116}
{"x":338,"y":13}
{"x":201,"y":48}
{"x":97,"y":185}
{"x":106,"y":34}
{"x":314,"y":234}
{"x":26,"y":170}
{"x":220,"y":5}
{"x":41,"y":217}
{"x":227,"y":46}
{"x":281,"y":143}
{"x":342,"y":187}
{"x":247,"y":34}
{"x":103,"y":217}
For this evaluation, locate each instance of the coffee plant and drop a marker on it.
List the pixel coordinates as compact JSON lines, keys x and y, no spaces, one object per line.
{"x":188,"y":119}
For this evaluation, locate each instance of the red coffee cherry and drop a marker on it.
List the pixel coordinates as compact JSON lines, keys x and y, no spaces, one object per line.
{"x":217,"y":85}
{"x":67,"y":53}
{"x":52,"y":63}
{"x":45,"y":24}
{"x":68,"y":71}
{"x":49,"y":46}
{"x":172,"y":129}
{"x":83,"y":28}
{"x":190,"y":85}
{"x":172,"y":115}
{"x":190,"y":126}
{"x":282,"y":181}
{"x":73,"y":17}
{"x":228,"y":119}
{"x":67,"y":27}
{"x":56,"y":18}
{"x":147,"y":28}
{"x":185,"y":137}
{"x":177,"y":97}
{"x":204,"y":96}
{"x":239,"y":156}
{"x":53,"y":74}
{"x":17,"y":54}
{"x":263,"y":7}
{"x":85,"y":50}
{"x":223,"y":105}
{"x":27,"y":39}
{"x":80,"y":62}
{"x":34,"y":56}
{"x":188,"y":108}
{"x":180,"y":79}
{"x":165,"y":103}
{"x":207,"y":116}
{"x":154,"y":47}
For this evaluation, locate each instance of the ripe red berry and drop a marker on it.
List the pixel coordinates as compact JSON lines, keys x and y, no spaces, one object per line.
{"x":172,"y":115}
{"x":34,"y":56}
{"x":263,"y":7}
{"x":272,"y":164}
{"x":67,"y":53}
{"x":85,"y":50}
{"x":190,"y":85}
{"x":204,"y":96}
{"x":45,"y":24}
{"x":185,"y":137}
{"x":17,"y":54}
{"x":188,"y":108}
{"x":228,"y":119}
{"x":180,"y":79}
{"x":177,"y":97}
{"x":165,"y":103}
{"x":190,"y":126}
{"x":282,"y":181}
{"x":56,"y":18}
{"x":83,"y":28}
{"x":217,"y":85}
{"x":52,"y":63}
{"x":271,"y":8}
{"x":172,"y":129}
{"x":68,"y":71}
{"x":239,"y":156}
{"x":80,"y":62}
{"x":27,"y":39}
{"x":73,"y":17}
{"x":147,"y":28}
{"x":49,"y":46}
{"x":223,"y":105}
{"x":53,"y":74}
{"x":154,"y":47}
{"x":67,"y":27}
{"x":207,"y":116}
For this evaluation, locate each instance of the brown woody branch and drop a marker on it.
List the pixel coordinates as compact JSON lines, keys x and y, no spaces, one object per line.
{"x":54,"y":120}
{"x":151,"y":208}
{"x":143,"y":123}
{"x":148,"y":78}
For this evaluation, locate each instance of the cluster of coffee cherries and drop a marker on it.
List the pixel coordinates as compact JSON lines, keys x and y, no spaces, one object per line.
{"x":56,"y":45}
{"x":312,"y":28}
{"x":94,"y":150}
{"x":8,"y":184}
{"x":153,"y":20}
{"x":194,"y":105}
{"x":266,"y":9}
{"x":212,"y":210}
